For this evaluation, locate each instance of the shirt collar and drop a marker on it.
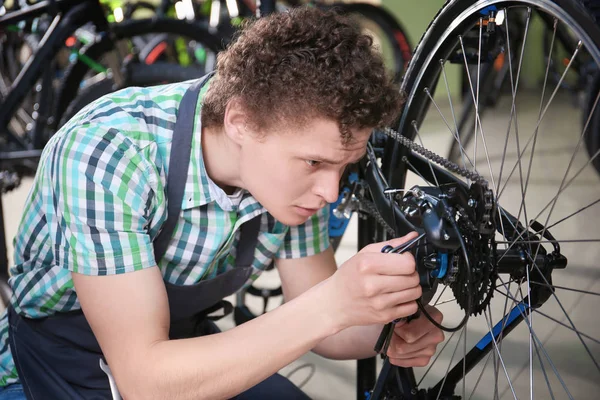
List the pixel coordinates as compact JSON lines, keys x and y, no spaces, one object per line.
{"x":200,"y":189}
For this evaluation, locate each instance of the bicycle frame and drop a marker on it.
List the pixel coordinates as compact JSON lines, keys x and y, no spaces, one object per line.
{"x":68,"y":15}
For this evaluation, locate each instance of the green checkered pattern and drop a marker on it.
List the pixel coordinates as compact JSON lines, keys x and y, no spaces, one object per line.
{"x":99,"y":200}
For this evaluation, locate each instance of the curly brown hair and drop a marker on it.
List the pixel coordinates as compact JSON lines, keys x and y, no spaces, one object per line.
{"x":289,"y":67}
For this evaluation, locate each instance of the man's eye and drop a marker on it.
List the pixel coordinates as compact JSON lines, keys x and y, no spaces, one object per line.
{"x":313,"y":163}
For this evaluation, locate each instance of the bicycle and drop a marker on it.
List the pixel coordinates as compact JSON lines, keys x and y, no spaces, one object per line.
{"x":496,"y":251}
{"x":484,"y":238}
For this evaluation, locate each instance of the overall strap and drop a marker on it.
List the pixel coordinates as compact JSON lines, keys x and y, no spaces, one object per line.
{"x":181,"y":147}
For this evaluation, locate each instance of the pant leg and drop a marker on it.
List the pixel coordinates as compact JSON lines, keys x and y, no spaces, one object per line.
{"x":12,"y":392}
{"x":276,"y":387}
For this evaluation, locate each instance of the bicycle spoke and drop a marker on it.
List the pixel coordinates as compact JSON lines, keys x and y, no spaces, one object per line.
{"x":549,"y":241}
{"x":570,"y":215}
{"x":477,"y":119}
{"x":552,"y":318}
{"x":454,"y":134}
{"x":475,"y":99}
{"x":440,"y":296}
{"x":457,"y":135}
{"x":544,"y":114}
{"x":566,"y":288}
{"x":415,"y":170}
{"x":515,"y":113}
{"x":446,"y":301}
{"x":541,"y":347}
{"x":535,"y":133}
{"x":530,"y":337}
{"x":567,"y":326}
{"x":548,"y":385}
{"x":501,"y":336}
{"x":435,"y":359}
{"x":514,"y":84}
{"x":563,"y":188}
{"x":499,"y":355}
{"x":477,"y":96}
{"x":450,"y":364}
{"x":560,"y":191}
{"x":537,"y":352}
{"x":414,"y":124}
{"x":480,"y":375}
{"x":566,"y":315}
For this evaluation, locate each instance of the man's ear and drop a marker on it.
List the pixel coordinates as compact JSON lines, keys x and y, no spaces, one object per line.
{"x":235,"y":122}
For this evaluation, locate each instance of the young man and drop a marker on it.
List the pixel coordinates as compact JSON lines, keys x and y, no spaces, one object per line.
{"x":292,"y":103}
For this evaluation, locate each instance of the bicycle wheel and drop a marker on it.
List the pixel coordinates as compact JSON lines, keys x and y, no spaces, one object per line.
{"x":388,"y":34}
{"x":529,"y":278}
{"x":186,"y":46}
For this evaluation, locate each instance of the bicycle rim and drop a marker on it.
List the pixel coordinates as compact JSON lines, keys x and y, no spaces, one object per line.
{"x":531,"y":150}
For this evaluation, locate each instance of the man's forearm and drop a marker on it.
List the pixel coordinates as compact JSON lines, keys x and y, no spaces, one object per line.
{"x":352,"y":343}
{"x":225,"y":364}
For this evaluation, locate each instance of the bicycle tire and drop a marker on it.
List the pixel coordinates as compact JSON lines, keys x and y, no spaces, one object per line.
{"x":439,"y":42}
{"x":392,"y":29}
{"x":592,"y":136}
{"x":75,"y":73}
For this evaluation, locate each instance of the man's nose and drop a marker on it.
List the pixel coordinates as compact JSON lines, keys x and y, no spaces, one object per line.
{"x":328,"y":187}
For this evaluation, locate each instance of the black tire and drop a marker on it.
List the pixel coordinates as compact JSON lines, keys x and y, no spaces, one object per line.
{"x":592,"y":135}
{"x":77,"y":71}
{"x":438,"y":44}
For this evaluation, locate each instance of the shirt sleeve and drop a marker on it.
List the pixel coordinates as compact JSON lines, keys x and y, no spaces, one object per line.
{"x":307,"y":239}
{"x":101,"y":194}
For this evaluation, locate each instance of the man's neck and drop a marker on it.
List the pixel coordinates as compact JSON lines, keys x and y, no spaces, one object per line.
{"x":220,"y":159}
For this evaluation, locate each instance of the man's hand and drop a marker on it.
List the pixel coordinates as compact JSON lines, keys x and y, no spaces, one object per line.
{"x":373,"y":287}
{"x":414,"y":343}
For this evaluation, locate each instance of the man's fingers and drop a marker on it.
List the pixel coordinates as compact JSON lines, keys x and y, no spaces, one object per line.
{"x":403,"y":239}
{"x":428,"y":351}
{"x":413,"y":362}
{"x":400,"y":346}
{"x":399,"y":298}
{"x":394,"y":283}
{"x":387,"y":263}
{"x":376,"y":247}
{"x":420,"y":327}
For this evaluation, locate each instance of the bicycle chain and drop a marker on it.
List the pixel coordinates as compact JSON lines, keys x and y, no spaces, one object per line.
{"x":430,"y":155}
{"x":369,"y":208}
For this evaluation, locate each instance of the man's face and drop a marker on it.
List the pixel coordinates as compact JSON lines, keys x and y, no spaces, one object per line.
{"x":295,"y":172}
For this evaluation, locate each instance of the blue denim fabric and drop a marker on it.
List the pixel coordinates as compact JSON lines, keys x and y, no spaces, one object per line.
{"x":12,"y":392}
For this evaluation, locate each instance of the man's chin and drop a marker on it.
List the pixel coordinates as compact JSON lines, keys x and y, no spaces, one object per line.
{"x":291,"y":217}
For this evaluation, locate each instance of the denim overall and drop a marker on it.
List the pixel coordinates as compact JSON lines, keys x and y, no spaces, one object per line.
{"x":58,"y":357}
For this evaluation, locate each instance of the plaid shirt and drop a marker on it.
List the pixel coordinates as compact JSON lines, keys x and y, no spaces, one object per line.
{"x":99,"y":200}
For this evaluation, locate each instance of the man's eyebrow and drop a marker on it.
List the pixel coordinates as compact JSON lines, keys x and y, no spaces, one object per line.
{"x":329,"y":161}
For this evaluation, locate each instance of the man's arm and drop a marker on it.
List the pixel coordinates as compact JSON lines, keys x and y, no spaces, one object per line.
{"x":300,"y":274}
{"x":413,"y":344}
{"x":129,"y":315}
